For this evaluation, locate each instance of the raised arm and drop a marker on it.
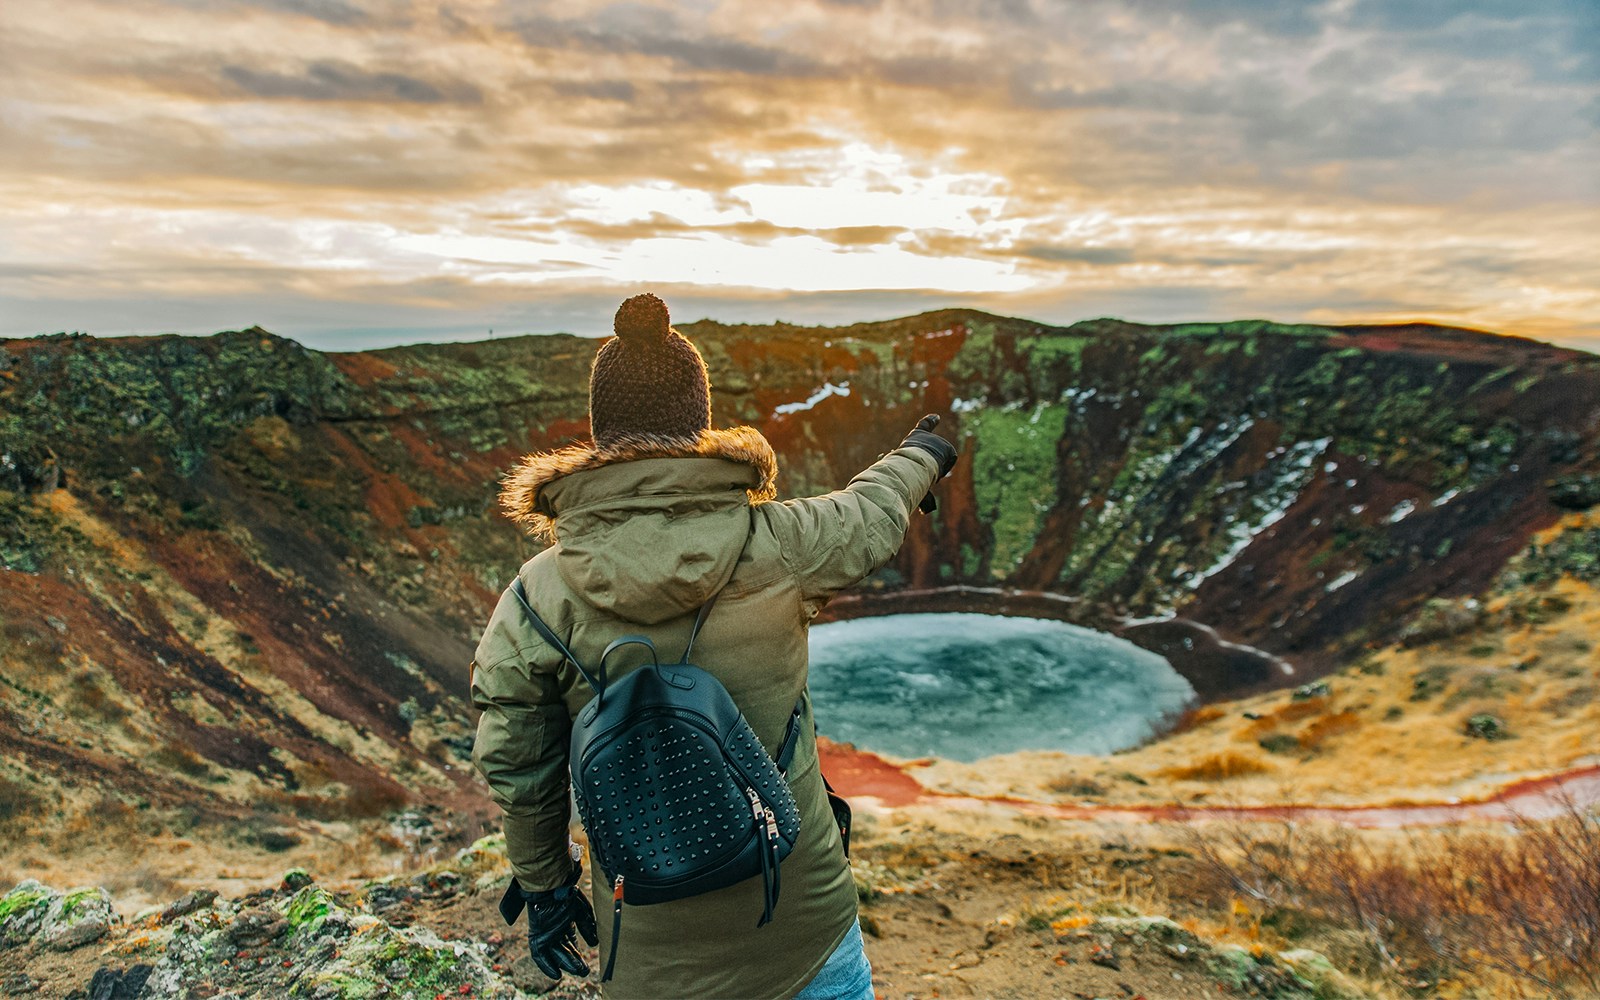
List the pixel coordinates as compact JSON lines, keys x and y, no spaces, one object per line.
{"x":834,"y":541}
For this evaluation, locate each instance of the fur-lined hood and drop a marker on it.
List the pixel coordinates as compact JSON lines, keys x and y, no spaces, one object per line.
{"x":520,"y":491}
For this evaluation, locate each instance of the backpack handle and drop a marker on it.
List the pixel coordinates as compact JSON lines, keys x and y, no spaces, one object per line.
{"x":612,"y":647}
{"x":598,"y":685}
{"x":626,"y":640}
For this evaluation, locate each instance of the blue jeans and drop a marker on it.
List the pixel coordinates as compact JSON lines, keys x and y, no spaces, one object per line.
{"x":846,"y":975}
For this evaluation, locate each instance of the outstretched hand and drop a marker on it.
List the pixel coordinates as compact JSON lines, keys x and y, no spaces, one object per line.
{"x":923,"y":437}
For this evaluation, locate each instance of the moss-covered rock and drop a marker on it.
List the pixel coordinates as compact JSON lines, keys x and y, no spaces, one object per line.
{"x":377,"y":959}
{"x":36,"y":913}
{"x":79,"y":917}
{"x":1175,"y":940}
{"x":321,"y":945}
{"x":307,"y":911}
{"x":22,"y":912}
{"x":1327,"y":982}
{"x":1252,"y":974}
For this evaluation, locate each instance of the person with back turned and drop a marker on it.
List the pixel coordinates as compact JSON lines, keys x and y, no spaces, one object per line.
{"x":655,"y":517}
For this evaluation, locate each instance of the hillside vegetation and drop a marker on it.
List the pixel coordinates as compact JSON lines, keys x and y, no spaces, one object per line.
{"x":242,"y":578}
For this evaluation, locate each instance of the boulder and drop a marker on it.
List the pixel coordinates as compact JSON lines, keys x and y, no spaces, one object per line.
{"x":118,"y":984}
{"x":296,"y":879}
{"x":50,"y":919}
{"x":1484,"y":726}
{"x":1576,"y":492}
{"x":198,"y":899}
{"x":22,"y":912}
{"x":256,"y":926}
{"x":1327,"y":982}
{"x":1441,"y":618}
{"x":76,"y":918}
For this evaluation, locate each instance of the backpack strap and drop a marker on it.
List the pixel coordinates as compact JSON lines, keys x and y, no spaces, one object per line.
{"x":699,"y":620}
{"x":705,"y":609}
{"x":548,"y":635}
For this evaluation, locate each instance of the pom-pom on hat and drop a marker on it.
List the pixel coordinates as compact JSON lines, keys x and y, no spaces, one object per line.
{"x":648,"y":384}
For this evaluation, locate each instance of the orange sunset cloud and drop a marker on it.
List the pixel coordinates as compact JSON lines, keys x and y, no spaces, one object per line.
{"x":355,"y":172}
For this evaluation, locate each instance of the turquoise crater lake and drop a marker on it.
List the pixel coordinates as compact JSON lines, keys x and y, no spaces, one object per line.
{"x":967,"y":686}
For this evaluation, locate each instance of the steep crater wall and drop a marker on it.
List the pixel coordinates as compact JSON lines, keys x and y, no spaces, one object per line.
{"x":1236,"y":496}
{"x":272,"y":563}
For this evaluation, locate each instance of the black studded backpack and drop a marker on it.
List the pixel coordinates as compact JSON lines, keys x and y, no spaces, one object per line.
{"x":674,"y":789}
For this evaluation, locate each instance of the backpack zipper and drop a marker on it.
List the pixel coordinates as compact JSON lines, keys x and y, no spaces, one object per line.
{"x":616,"y":927}
{"x":763,"y":815}
{"x":769,"y":852}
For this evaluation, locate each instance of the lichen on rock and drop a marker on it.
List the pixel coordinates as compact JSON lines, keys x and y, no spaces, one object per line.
{"x":308,"y":909}
{"x":34,"y":912}
{"x":320,"y":945}
{"x":22,"y":912}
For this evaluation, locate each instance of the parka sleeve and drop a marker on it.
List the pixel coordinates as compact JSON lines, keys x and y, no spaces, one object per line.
{"x":834,"y":541}
{"x":521,"y":751}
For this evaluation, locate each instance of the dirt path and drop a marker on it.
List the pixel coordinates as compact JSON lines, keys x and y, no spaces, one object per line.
{"x":859,"y":774}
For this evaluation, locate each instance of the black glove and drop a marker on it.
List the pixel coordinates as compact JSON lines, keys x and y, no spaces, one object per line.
{"x":943,"y":452}
{"x":555,"y":919}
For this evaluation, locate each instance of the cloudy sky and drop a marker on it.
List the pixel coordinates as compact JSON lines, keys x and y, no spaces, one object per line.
{"x":360,"y":172}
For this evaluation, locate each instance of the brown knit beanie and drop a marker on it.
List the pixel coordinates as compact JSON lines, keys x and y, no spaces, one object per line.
{"x":648,"y":384}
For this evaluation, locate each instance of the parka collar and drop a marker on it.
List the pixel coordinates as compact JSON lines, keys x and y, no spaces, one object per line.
{"x":523,"y":494}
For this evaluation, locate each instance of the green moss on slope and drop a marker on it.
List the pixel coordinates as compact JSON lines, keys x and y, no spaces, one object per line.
{"x":1014,"y":475}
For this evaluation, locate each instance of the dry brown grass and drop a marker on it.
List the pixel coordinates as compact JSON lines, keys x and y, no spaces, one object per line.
{"x":367,"y":797}
{"x":144,"y":878}
{"x":177,"y":757}
{"x":1516,"y":914}
{"x":101,"y":822}
{"x":20,"y":804}
{"x":89,"y":698}
{"x":1196,"y":717}
{"x":1319,"y":731}
{"x":1281,"y":716}
{"x":1218,"y":767}
{"x":1078,"y":786}
{"x":367,"y":850}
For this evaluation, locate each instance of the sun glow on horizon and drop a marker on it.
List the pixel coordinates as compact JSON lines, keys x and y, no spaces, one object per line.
{"x":340,"y":166}
{"x":766,"y":235}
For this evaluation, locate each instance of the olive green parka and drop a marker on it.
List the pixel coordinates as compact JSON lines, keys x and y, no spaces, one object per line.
{"x":643,"y":536}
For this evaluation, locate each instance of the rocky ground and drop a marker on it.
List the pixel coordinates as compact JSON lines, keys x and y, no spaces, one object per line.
{"x":429,"y":934}
{"x":945,"y":916}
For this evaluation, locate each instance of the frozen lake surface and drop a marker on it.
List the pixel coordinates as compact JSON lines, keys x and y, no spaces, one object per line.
{"x":965,"y":686}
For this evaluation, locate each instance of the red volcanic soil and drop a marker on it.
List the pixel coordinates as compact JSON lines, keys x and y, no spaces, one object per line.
{"x":1456,"y":343}
{"x":364,"y":369}
{"x":858,"y":773}
{"x":388,"y":496}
